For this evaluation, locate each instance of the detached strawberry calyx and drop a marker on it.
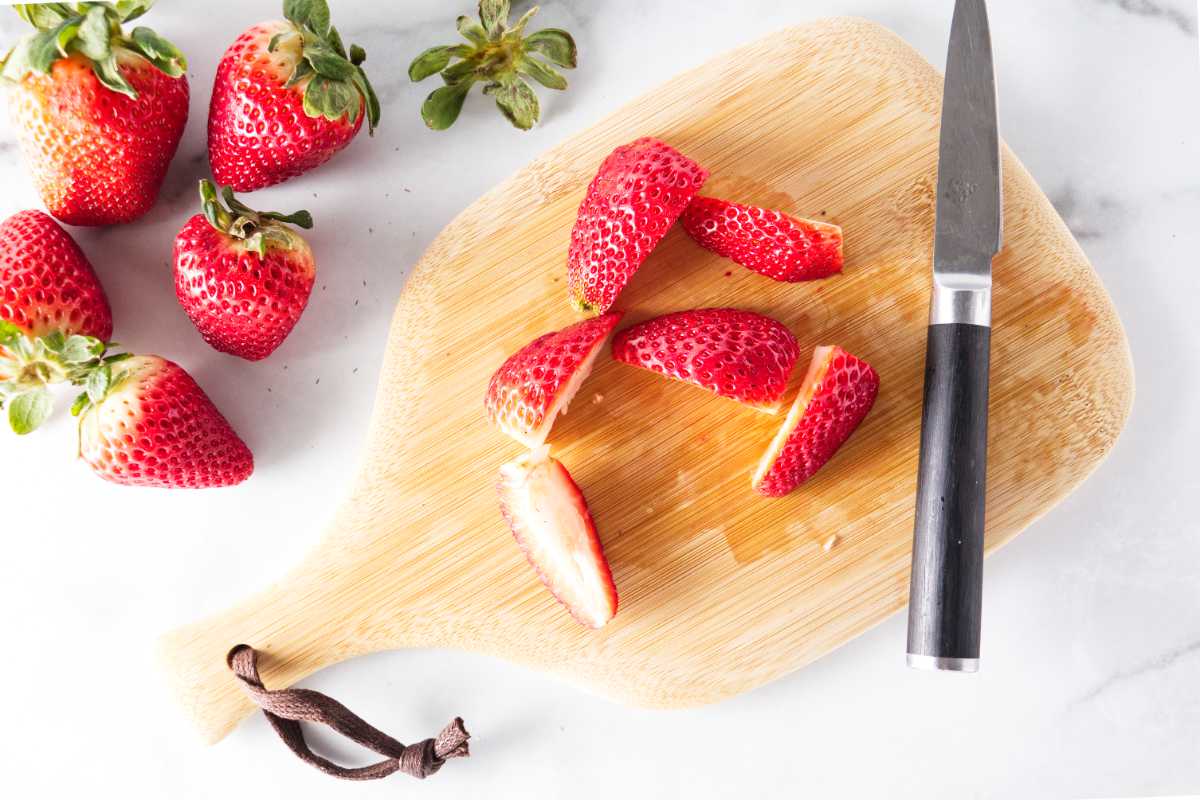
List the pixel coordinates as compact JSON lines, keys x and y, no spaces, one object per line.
{"x":30,"y":364}
{"x":337,"y":85}
{"x":257,"y":230}
{"x":92,"y":30}
{"x":501,"y":57}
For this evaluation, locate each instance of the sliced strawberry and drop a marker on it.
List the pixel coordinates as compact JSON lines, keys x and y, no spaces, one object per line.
{"x":836,"y":395}
{"x":733,"y":353}
{"x":537,"y":382}
{"x":551,"y":522}
{"x":769,"y":242}
{"x":639,"y":192}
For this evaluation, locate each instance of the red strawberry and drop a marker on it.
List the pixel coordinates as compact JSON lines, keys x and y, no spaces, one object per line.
{"x":537,"y":382}
{"x":243,"y":277}
{"x":145,"y":422}
{"x":286,"y":98}
{"x":53,"y":316}
{"x":46,"y":282}
{"x":769,"y":242}
{"x":736,"y":354}
{"x":836,"y":395}
{"x":551,"y":522}
{"x":639,"y":192}
{"x":98,"y":114}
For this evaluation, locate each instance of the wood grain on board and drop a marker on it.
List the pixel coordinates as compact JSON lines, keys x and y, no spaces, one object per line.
{"x":721,"y":590}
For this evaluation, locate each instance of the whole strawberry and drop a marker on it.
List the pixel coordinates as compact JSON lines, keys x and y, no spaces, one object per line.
{"x":242,"y":276}
{"x":54,"y":317}
{"x":635,"y":198}
{"x":286,"y":98}
{"x":143,"y":421}
{"x":98,"y":113}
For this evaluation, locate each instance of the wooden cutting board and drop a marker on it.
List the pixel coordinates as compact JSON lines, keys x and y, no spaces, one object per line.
{"x":720,"y":590}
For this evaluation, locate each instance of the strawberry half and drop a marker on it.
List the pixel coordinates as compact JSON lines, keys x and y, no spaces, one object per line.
{"x":287,"y":97}
{"x":98,"y":113}
{"x":836,"y":395}
{"x":144,"y":422}
{"x":550,"y":520}
{"x":769,"y":242}
{"x":537,"y":382}
{"x":733,"y":353}
{"x":639,"y":192}
{"x":242,"y":276}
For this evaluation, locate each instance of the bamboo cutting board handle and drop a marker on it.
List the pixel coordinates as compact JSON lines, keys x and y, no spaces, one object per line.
{"x":721,"y":590}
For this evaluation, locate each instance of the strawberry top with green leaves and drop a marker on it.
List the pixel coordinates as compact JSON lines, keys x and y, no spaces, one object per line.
{"x":287,"y":97}
{"x":243,"y":277}
{"x":145,"y":422}
{"x":98,"y":113}
{"x":635,"y":198}
{"x":500,"y":57}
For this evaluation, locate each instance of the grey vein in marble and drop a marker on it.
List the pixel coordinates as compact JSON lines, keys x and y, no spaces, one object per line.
{"x":1157,"y":664}
{"x":1157,"y":10}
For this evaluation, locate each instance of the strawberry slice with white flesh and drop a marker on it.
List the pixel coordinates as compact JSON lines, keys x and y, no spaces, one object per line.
{"x":836,"y":395}
{"x":550,"y":520}
{"x":733,"y":353}
{"x":537,"y":382}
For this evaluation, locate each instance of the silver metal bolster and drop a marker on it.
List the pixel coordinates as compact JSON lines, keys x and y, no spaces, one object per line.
{"x":943,"y":664}
{"x":955,"y":302}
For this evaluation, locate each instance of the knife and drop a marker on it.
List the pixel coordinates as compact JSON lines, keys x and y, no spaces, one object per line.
{"x":946,"y":586}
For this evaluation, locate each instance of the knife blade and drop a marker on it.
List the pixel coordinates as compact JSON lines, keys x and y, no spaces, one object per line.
{"x":946,"y":585}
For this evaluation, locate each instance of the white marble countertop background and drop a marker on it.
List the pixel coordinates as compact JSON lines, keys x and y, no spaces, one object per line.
{"x":1091,"y":683}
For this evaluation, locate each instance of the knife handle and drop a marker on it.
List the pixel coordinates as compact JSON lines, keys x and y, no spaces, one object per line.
{"x":946,"y":588}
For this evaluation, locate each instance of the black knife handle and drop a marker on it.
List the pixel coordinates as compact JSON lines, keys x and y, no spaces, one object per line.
{"x":946,"y":589}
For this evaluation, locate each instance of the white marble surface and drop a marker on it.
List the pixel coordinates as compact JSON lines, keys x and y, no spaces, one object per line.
{"x":1091,"y":685}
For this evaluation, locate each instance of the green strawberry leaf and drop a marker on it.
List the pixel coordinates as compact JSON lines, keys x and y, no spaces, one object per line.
{"x":93,"y":40}
{"x":113,"y":359}
{"x":42,"y":51}
{"x":516,"y":101}
{"x":368,"y":92}
{"x":65,"y":34}
{"x":444,"y":104}
{"x":81,"y":402}
{"x":493,"y":14}
{"x":311,"y":14}
{"x":456,"y":73}
{"x":328,"y":63}
{"x":99,"y":381}
{"x":301,"y":219}
{"x":29,"y":410}
{"x":109,"y":74}
{"x":331,"y":99}
{"x":44,"y":16}
{"x":129,"y":10}
{"x":10,"y":332}
{"x":431,"y":62}
{"x":555,"y":44}
{"x":472,"y":31}
{"x":357,"y":55}
{"x":81,"y":349}
{"x":335,"y":41}
{"x":541,"y":73}
{"x":54,"y":341}
{"x":162,"y":53}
